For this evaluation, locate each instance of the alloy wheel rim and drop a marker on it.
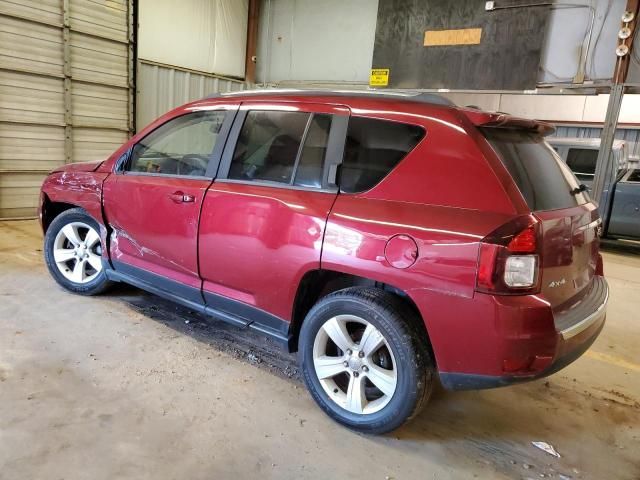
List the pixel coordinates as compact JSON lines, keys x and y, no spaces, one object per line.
{"x":77,"y":252}
{"x":355,"y":364}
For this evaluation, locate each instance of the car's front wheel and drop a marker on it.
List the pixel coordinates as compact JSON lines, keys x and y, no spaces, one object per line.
{"x":73,"y":253}
{"x":364,"y":360}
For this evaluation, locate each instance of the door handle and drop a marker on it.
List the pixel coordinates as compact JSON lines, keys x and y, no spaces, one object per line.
{"x":181,"y":197}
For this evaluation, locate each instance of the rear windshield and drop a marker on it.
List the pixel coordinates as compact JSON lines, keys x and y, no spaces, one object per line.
{"x":542,"y":177}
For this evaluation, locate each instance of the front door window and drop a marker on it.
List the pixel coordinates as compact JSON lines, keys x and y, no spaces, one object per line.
{"x":182,"y":146}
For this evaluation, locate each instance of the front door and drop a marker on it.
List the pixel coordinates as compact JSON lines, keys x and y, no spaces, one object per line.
{"x":153,"y":202}
{"x":263,"y":219}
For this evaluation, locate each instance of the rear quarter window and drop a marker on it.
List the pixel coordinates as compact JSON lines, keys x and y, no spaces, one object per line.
{"x":542,"y":177}
{"x":372,"y":149}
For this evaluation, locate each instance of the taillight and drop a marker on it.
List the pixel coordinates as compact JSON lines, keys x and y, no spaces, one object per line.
{"x":524,"y":242}
{"x":520,"y":271}
{"x":509,"y":258}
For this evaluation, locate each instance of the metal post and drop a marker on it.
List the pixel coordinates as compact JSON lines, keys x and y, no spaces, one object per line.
{"x":131,"y":66}
{"x":602,"y":177}
{"x":603,"y":173}
{"x":252,"y":41}
{"x":66,"y":70}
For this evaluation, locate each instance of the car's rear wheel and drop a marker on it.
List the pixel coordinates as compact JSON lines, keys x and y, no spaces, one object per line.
{"x":364,"y":360}
{"x":73,"y":253}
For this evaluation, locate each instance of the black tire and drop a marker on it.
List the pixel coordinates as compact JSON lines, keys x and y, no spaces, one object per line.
{"x":401,"y":329}
{"x":96,"y":285}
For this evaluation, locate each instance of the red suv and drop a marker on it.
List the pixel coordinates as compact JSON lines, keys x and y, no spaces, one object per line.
{"x":388,"y":238}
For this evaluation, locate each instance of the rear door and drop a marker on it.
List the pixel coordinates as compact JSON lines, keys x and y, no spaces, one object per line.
{"x":153,"y":201}
{"x":582,"y":162}
{"x":570,"y":221}
{"x":625,"y":212}
{"x":263,"y":219}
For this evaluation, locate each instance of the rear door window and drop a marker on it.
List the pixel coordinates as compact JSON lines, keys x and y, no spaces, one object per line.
{"x":634,"y":177}
{"x":268,"y":146}
{"x":372,"y":149}
{"x":544,"y":180}
{"x":282,"y":147}
{"x":310,"y":165}
{"x":582,"y":162}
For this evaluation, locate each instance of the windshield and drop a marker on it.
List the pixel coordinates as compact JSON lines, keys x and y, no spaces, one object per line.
{"x":544,"y":180}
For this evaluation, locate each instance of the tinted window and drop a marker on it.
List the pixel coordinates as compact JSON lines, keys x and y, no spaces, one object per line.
{"x":309,"y":170}
{"x":372,"y":149}
{"x":582,"y":162}
{"x":182,"y":146}
{"x":542,"y":177}
{"x":268,"y":146}
{"x":634,"y":177}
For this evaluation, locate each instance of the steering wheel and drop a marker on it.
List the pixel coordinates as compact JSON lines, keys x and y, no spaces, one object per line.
{"x":192,"y":162}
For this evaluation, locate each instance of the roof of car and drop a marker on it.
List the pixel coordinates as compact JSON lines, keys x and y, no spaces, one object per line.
{"x":477,"y":117}
{"x":420,"y":97}
{"x":582,"y":142}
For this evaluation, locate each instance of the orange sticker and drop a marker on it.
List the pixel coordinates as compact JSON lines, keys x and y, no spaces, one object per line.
{"x":464,"y":36}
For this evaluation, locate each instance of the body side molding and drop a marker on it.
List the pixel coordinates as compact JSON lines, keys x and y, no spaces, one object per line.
{"x":216,"y":306}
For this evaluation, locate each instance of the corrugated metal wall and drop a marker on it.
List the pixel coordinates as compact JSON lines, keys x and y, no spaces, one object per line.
{"x":65,"y":90}
{"x":163,"y":87}
{"x":632,"y":136}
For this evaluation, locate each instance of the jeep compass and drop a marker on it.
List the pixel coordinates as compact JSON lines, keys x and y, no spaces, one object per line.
{"x":392,"y":240}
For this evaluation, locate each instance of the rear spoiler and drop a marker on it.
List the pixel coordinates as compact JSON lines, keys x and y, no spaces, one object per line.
{"x":504,"y":120}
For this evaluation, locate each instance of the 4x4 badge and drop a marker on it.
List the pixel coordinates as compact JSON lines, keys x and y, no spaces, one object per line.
{"x":557,"y":283}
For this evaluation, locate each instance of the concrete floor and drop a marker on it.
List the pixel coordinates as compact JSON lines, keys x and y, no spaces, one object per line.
{"x":119,"y":386}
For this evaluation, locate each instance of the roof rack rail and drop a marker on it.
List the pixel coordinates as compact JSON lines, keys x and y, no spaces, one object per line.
{"x":412,"y":96}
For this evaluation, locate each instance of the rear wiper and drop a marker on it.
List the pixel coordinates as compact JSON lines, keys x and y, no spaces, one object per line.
{"x":581,"y":188}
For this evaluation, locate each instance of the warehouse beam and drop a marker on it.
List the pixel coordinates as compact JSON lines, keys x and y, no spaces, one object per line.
{"x":131,"y":60}
{"x":616,"y":94}
{"x":252,"y":41}
{"x":66,"y":69}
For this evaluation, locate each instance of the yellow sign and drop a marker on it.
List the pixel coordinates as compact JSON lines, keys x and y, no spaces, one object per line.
{"x":379,"y":77}
{"x":465,"y":36}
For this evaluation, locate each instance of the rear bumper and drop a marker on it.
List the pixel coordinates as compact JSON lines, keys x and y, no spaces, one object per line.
{"x":576,"y":329}
{"x":592,"y":310}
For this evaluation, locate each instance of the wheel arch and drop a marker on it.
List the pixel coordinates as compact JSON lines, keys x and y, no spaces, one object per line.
{"x":316,"y":284}
{"x":62,"y":191}
{"x":50,"y":209}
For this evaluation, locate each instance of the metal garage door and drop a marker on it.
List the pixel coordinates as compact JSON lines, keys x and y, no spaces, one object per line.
{"x":65,"y":90}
